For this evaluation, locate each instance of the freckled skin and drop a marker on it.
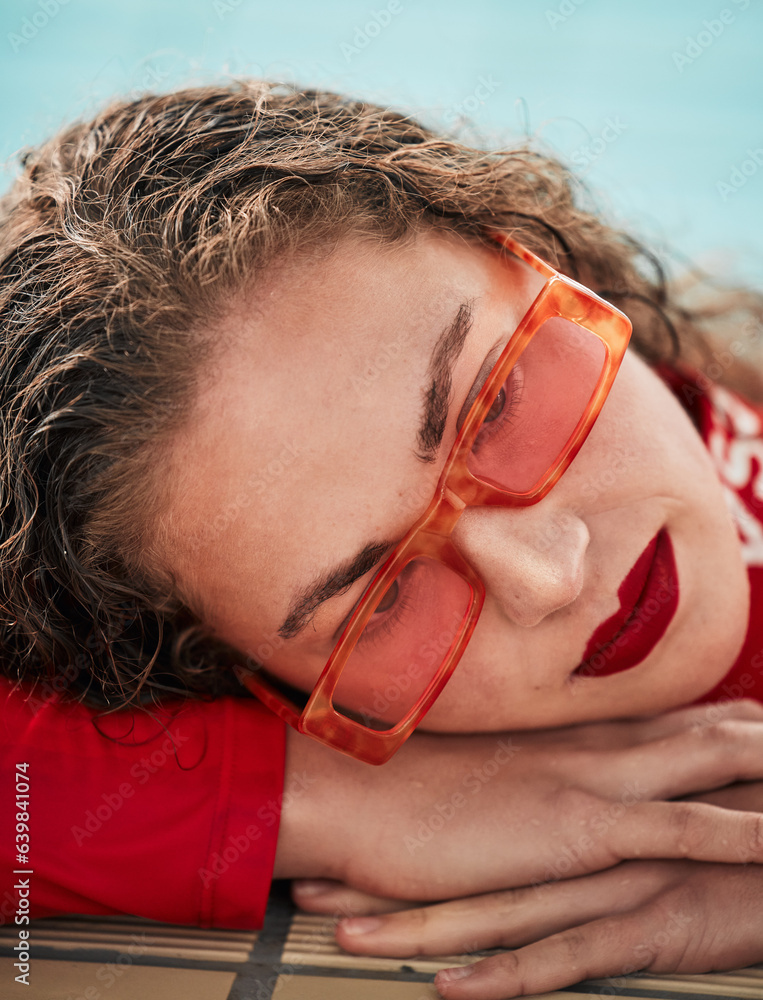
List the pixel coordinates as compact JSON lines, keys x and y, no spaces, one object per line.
{"x":298,"y":368}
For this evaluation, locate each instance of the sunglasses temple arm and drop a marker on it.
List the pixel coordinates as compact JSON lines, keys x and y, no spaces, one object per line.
{"x":523,"y":253}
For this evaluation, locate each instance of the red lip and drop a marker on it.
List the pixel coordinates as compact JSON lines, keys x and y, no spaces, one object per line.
{"x":648,"y":600}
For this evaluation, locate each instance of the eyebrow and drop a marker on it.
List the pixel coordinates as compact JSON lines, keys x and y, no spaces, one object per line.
{"x":331,"y":584}
{"x":429,"y":437}
{"x":446,"y":352}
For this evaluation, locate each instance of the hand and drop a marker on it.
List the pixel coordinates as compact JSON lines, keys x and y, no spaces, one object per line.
{"x":332,"y":898}
{"x":669,"y":916}
{"x":661,"y":916}
{"x":452,"y":816}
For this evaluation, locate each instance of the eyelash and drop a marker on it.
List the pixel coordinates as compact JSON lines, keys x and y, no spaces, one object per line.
{"x":376,"y":631}
{"x":502,"y":424}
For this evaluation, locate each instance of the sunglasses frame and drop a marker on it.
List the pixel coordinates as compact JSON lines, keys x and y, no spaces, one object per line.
{"x":457,"y":489}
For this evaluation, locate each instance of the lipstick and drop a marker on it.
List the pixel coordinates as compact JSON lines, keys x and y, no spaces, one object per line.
{"x":648,"y":601}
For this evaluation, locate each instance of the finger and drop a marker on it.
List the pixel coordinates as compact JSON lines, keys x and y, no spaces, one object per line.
{"x":695,"y":760}
{"x":506,"y":919}
{"x":627,"y":733}
{"x":684,"y":929}
{"x":747,"y":796}
{"x":603,"y":948}
{"x":693,"y":830}
{"x":337,"y":899}
{"x":682,"y":719}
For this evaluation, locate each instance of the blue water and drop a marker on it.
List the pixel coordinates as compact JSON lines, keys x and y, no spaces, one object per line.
{"x":658,"y":104}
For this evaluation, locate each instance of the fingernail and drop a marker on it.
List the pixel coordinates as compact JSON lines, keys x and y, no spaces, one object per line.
{"x":312,"y":887}
{"x":449,"y":975}
{"x":360,"y":925}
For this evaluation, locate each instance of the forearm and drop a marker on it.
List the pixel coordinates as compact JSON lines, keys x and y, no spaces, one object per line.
{"x":452,"y":816}
{"x":363,"y":825}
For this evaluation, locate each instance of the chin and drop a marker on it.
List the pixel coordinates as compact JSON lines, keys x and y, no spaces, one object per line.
{"x":673,"y":678}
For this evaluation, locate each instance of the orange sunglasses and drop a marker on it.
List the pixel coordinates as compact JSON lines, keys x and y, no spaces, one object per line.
{"x":460,"y":485}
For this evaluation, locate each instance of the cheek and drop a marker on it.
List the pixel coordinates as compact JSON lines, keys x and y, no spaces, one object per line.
{"x":493,"y":687}
{"x":636,"y":448}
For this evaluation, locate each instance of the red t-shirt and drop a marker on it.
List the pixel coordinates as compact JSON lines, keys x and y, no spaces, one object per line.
{"x":177,"y":819}
{"x":732,"y":429}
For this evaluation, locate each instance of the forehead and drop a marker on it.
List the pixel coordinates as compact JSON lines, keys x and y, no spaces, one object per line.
{"x":301,"y":448}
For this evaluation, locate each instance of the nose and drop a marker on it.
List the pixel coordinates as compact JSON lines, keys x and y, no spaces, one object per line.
{"x":531,"y":559}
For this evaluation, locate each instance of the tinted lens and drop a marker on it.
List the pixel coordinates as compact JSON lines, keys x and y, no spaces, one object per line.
{"x":416,"y":625}
{"x":538,"y":407}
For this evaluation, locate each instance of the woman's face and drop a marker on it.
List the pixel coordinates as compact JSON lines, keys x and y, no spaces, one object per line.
{"x":305,"y":449}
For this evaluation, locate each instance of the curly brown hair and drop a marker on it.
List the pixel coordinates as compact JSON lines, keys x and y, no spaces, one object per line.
{"x":118,"y":242}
